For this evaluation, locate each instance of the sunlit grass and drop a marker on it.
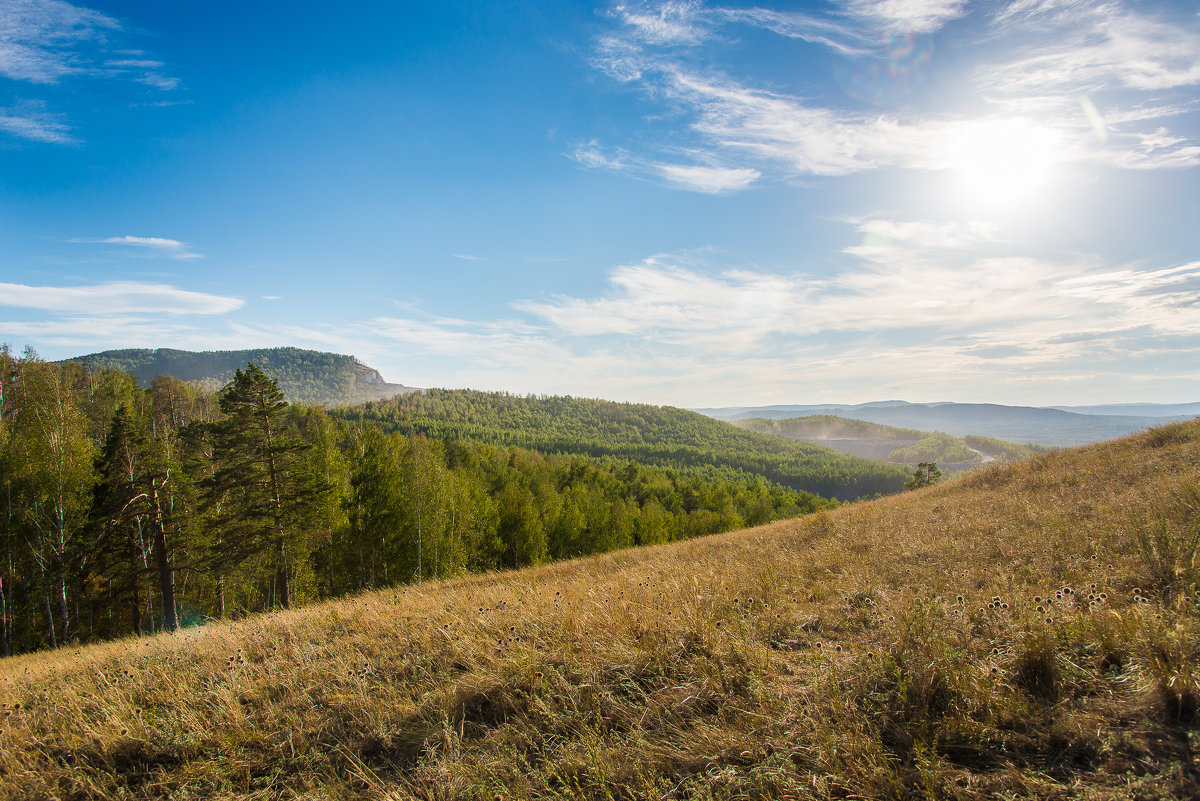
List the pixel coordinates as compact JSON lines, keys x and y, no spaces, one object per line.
{"x":1004,"y":634}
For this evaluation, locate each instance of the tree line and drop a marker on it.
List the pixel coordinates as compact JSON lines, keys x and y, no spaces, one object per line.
{"x":130,"y":510}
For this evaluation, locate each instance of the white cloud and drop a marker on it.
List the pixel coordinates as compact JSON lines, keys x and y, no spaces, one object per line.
{"x":1137,"y":67}
{"x":921,"y":307}
{"x":1040,"y":60}
{"x":1091,"y":46}
{"x":672,"y":22}
{"x":921,"y":281}
{"x":36,"y":125}
{"x":806,"y":140}
{"x":158,"y":245}
{"x":116,"y":298}
{"x":592,"y":156}
{"x":38,"y":38}
{"x":793,"y":25}
{"x":906,"y":16}
{"x":934,"y":314}
{"x":710,"y":180}
{"x":705,"y":178}
{"x":51,"y":41}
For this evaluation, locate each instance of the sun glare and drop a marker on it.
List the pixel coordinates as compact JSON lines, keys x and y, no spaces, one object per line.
{"x":1000,"y":163}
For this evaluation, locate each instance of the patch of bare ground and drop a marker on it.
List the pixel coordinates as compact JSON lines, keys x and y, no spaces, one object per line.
{"x":1027,"y":631}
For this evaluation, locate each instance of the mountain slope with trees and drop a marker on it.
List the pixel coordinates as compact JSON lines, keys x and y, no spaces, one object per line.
{"x":897,"y":445}
{"x":663,"y":436}
{"x":304,"y":376}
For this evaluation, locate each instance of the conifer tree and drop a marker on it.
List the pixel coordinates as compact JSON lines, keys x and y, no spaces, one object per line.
{"x":265,"y":497}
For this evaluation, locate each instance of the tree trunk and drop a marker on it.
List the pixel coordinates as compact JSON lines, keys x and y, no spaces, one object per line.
{"x":285,"y":599}
{"x":50,"y":623}
{"x":6,"y":645}
{"x":166,"y":576}
{"x":135,"y":608}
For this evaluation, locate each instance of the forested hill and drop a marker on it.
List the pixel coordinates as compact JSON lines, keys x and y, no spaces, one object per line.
{"x":305,"y":376}
{"x":897,"y":445}
{"x":656,"y":435}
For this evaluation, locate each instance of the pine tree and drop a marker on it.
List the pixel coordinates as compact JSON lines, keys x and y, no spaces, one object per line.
{"x":265,"y":498}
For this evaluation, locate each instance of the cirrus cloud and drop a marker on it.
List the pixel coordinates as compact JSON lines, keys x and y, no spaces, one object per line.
{"x":46,"y":42}
{"x":155,"y":245}
{"x":116,"y":298}
{"x":1039,"y":59}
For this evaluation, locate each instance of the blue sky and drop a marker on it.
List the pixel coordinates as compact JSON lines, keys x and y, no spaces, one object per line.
{"x":689,"y":203}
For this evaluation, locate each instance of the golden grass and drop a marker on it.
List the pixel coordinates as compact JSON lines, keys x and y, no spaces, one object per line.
{"x":824,"y":657}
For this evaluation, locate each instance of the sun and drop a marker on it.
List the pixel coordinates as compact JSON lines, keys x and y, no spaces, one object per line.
{"x":1000,"y":164}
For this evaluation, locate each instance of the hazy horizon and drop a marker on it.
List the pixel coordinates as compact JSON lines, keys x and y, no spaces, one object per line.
{"x":684,"y":203}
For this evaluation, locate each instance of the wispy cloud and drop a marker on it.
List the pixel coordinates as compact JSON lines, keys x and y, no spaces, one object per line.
{"x":1039,"y":60}
{"x":671,"y":22}
{"x":1091,"y":45}
{"x":836,"y":35}
{"x":33,"y":123}
{"x":707,"y":178}
{"x":155,"y":245}
{"x":885,"y":236}
{"x":1130,"y":68}
{"x":116,"y":298}
{"x":45,"y":42}
{"x":710,"y":180}
{"x":929,"y":312}
{"x":917,"y":303}
{"x":40,"y":39}
{"x":920,"y":282}
{"x":906,"y":16}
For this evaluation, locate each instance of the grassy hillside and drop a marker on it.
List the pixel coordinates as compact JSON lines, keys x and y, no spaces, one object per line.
{"x":1026,"y":631}
{"x":305,"y":376}
{"x":653,"y":435}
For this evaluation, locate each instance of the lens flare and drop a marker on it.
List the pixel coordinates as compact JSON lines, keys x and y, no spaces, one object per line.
{"x":896,"y":70}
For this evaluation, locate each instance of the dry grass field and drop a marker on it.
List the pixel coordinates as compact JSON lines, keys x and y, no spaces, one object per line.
{"x":1027,"y":631}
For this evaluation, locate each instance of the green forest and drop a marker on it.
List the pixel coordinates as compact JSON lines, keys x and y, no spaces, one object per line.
{"x":661,"y":436}
{"x":130,"y":509}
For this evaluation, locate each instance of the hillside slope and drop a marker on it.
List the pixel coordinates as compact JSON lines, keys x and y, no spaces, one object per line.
{"x":1027,"y":631}
{"x":660,"y":436}
{"x":305,"y":376}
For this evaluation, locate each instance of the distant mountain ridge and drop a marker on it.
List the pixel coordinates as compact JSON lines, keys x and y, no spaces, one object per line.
{"x":305,"y":376}
{"x":1066,"y":427}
